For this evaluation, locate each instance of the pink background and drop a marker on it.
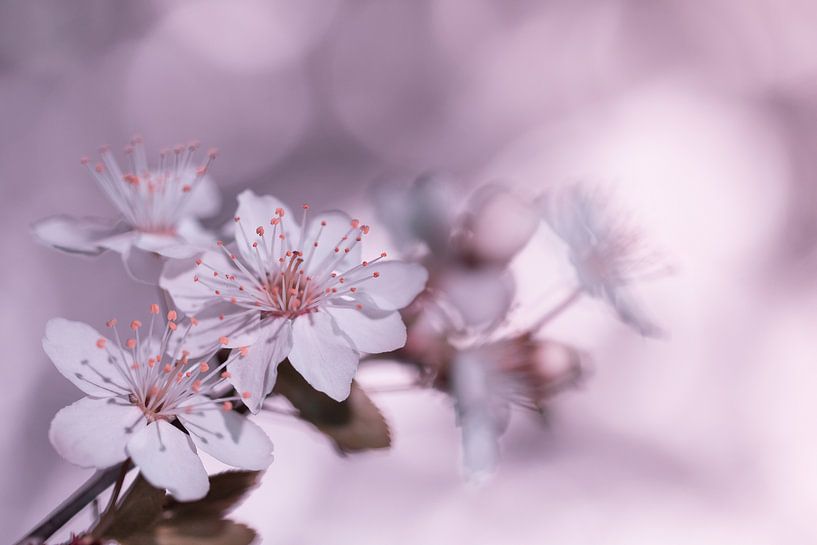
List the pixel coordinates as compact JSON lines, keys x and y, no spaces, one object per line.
{"x":701,"y":115}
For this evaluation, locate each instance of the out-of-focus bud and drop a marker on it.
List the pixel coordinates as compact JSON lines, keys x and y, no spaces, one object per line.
{"x":497,"y":226}
{"x":478,"y":298}
{"x":542,"y":368}
{"x":421,"y":212}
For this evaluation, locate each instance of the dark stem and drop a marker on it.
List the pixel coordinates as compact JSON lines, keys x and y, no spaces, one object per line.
{"x":117,"y":488}
{"x":84,"y":495}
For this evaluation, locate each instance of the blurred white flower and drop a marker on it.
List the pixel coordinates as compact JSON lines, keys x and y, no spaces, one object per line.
{"x":487,"y":380}
{"x":607,"y":253}
{"x":135,"y":391}
{"x":283,"y":291}
{"x":158,"y":209}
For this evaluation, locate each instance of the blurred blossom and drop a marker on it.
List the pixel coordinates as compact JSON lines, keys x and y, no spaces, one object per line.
{"x":158,"y":208}
{"x":608,"y":254}
{"x":458,"y":330}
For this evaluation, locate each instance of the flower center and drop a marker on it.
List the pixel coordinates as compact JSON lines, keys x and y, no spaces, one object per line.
{"x":275,"y":277}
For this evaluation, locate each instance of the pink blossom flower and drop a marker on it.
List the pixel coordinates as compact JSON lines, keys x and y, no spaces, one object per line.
{"x":607,"y":253}
{"x":302,"y":292}
{"x":158,"y":208}
{"x":137,"y":391}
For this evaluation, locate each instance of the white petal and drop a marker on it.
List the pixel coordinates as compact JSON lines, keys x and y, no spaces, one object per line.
{"x":167,"y":459}
{"x":629,"y":311}
{"x":142,"y":265}
{"x":370,"y":330}
{"x":72,"y":346}
{"x":256,"y":372}
{"x":178,"y":279}
{"x":239,"y":325}
{"x":166,"y":245}
{"x":256,"y":211}
{"x":77,"y":235}
{"x":94,"y":432}
{"x":192,"y":232}
{"x":396,"y":286}
{"x":227,"y":436}
{"x":204,"y":200}
{"x":121,"y":242}
{"x":322,"y":355}
{"x":330,"y":237}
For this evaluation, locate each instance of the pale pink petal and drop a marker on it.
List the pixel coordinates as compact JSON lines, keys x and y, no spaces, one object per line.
{"x":396,"y":285}
{"x":221,"y":322}
{"x":370,"y":330}
{"x":323,"y":355}
{"x":179,"y":279}
{"x":256,"y":211}
{"x":256,"y":372}
{"x":166,"y":245}
{"x":204,"y":200}
{"x":227,"y":436}
{"x":331,"y":249}
{"x":192,"y":232}
{"x":85,"y":357}
{"x":142,"y":265}
{"x":167,"y":458}
{"x":77,"y":235}
{"x":94,"y":432}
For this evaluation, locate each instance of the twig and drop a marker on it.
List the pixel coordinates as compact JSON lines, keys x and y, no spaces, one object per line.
{"x":85,"y":494}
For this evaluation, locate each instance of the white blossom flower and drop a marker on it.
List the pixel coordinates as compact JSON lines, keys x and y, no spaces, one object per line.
{"x":607,"y":254}
{"x":158,"y":208}
{"x":137,"y":394}
{"x":298,"y":292}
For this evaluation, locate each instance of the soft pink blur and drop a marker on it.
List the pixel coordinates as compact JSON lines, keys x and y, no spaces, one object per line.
{"x":700,"y":116}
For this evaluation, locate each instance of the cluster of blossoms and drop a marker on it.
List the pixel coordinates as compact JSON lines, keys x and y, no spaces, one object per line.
{"x":298,"y":290}
{"x":464,"y":334}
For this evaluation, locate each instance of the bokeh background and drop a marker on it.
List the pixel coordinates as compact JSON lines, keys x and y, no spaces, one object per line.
{"x":701,"y":115}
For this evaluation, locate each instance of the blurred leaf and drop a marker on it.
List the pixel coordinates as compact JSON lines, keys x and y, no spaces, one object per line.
{"x":147,"y":516}
{"x":354,"y":425}
{"x":203,"y":532}
{"x":141,"y":508}
{"x":226,"y":491}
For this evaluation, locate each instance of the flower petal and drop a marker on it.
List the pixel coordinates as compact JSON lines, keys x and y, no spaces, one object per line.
{"x":204,"y":200}
{"x":192,"y":232}
{"x":73,"y":348}
{"x":256,"y":372}
{"x":167,"y":459}
{"x":322,"y":355}
{"x":178,"y":278}
{"x":256,"y":211}
{"x":94,"y":432}
{"x":166,"y":245}
{"x":227,"y":436}
{"x":330,"y":238}
{"x":370,"y":330}
{"x":142,"y":265}
{"x":239,"y":325}
{"x":397,"y":284}
{"x":77,"y":235}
